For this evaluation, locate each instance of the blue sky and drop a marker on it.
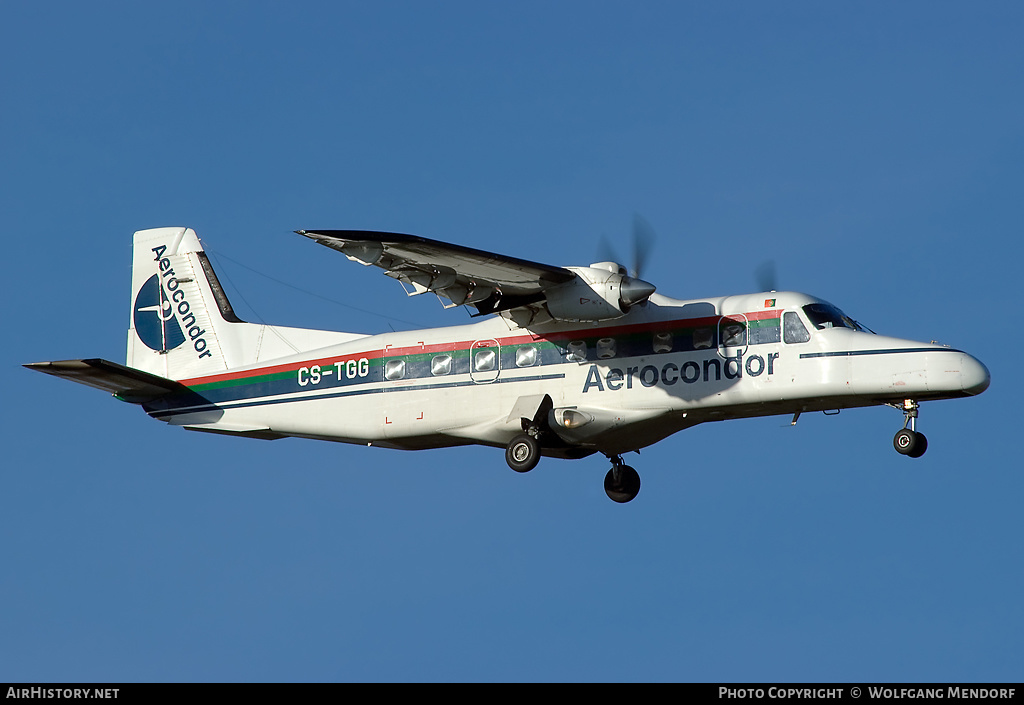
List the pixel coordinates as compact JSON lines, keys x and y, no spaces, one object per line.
{"x":873,"y":150}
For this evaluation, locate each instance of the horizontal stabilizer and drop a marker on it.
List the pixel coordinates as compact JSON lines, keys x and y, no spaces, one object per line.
{"x":125,"y":383}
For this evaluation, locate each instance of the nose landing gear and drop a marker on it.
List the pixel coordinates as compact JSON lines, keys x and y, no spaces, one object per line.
{"x":908,"y":441}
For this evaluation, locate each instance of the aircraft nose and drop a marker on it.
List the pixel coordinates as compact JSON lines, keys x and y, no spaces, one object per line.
{"x":974,"y":376}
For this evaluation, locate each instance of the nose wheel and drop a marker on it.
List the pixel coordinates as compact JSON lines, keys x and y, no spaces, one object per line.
{"x":622,"y":483}
{"x":908,"y":441}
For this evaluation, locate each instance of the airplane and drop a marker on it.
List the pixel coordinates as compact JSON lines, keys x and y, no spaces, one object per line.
{"x":560,"y":362}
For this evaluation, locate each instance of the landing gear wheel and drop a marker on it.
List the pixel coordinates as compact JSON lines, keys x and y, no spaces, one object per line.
{"x":903,"y":441}
{"x":910,"y":443}
{"x":622,"y":483}
{"x":522,"y":453}
{"x":921,"y":447}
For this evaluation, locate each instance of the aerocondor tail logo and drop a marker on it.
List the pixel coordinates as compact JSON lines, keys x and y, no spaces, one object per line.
{"x":155,"y":322}
{"x":161,"y":321}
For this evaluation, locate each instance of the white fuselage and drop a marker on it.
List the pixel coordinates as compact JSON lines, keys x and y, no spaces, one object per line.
{"x":631,"y":381}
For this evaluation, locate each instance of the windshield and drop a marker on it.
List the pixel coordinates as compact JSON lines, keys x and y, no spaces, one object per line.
{"x":828,"y":316}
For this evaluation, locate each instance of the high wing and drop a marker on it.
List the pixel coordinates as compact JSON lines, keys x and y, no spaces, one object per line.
{"x":463,"y":275}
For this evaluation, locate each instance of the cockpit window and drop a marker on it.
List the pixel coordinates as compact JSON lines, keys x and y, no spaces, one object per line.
{"x":828,"y":316}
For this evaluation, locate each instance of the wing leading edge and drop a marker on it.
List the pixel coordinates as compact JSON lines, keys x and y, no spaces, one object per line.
{"x":487,"y":281}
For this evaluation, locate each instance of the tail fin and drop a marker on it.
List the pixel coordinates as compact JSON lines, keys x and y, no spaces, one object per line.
{"x":178,"y":307}
{"x":182,"y":325}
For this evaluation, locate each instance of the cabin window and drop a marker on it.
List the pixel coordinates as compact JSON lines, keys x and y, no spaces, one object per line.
{"x":793,"y":330}
{"x":441,"y":365}
{"x":484,"y":360}
{"x":606,"y":348}
{"x":394,"y":369}
{"x":662,"y":342}
{"x":703,"y":338}
{"x":577,"y":351}
{"x":526,"y":356}
{"x":734,"y":334}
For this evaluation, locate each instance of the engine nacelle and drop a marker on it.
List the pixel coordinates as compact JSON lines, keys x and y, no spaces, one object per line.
{"x":596,"y":294}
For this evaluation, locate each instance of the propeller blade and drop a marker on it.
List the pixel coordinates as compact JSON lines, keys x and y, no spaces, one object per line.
{"x":643,"y":244}
{"x":605,"y":251}
{"x":766,"y":276}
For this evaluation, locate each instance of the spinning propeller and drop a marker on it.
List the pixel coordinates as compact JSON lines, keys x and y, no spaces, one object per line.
{"x":766,"y":276}
{"x":633,"y":289}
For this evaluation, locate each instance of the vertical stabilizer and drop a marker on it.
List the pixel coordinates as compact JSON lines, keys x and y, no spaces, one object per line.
{"x":175,"y":320}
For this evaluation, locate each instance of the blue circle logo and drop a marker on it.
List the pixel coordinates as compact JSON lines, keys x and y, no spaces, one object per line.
{"x":155,"y":322}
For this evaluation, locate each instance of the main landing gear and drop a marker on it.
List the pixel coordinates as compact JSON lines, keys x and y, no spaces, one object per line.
{"x":908,"y":441}
{"x":523,"y":452}
{"x":622,"y":483}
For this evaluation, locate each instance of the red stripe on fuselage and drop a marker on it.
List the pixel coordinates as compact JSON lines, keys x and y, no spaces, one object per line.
{"x":423,"y":349}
